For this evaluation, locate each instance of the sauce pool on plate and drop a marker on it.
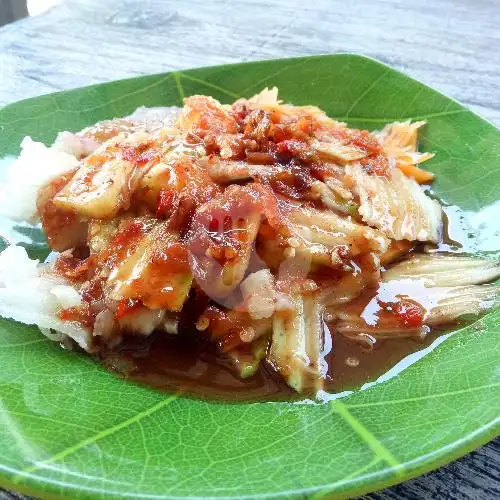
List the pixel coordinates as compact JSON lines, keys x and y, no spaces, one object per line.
{"x":190,"y":364}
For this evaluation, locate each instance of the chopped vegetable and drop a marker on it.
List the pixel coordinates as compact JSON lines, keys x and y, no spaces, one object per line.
{"x":221,"y":240}
{"x":259,"y":294}
{"x":405,"y":317}
{"x":419,"y":174}
{"x":297,"y":343}
{"x":396,"y":205}
{"x":247,"y":359}
{"x":156,"y":273}
{"x":445,"y":270}
{"x":459,"y":302}
{"x":106,"y":180}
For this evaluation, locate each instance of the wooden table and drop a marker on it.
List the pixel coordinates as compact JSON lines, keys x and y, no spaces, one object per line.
{"x":452,"y":45}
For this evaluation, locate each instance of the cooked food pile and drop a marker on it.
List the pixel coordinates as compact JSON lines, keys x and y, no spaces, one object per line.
{"x":253,"y":224}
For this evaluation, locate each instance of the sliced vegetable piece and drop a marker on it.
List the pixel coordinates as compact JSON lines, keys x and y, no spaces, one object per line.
{"x":332,"y":200}
{"x":247,"y":359}
{"x":156,"y":272}
{"x":177,"y":175}
{"x":297,"y":344}
{"x":399,"y":140}
{"x":106,"y":180}
{"x":396,"y":205}
{"x":364,"y":273}
{"x":321,"y":234}
{"x":445,"y":270}
{"x":337,"y":186}
{"x":412,"y":315}
{"x":396,"y":250}
{"x":226,"y":171}
{"x":271,"y":247}
{"x":356,"y":329}
{"x":259,"y":294}
{"x":419,"y":174}
{"x":336,"y":150}
{"x":63,"y":229}
{"x":462,"y":301}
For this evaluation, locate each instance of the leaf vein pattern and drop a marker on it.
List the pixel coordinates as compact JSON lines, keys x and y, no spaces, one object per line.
{"x":178,"y":84}
{"x":209,"y":85}
{"x":368,"y":90}
{"x":96,"y":437}
{"x":376,"y":446}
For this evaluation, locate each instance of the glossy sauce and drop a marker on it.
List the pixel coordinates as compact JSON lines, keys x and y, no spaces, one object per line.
{"x":189,"y":364}
{"x":193,"y":367}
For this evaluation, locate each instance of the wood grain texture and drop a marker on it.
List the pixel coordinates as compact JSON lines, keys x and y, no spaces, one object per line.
{"x":11,"y":10}
{"x":452,"y":45}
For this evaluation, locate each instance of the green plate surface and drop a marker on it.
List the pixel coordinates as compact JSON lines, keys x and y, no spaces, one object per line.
{"x":69,"y":428}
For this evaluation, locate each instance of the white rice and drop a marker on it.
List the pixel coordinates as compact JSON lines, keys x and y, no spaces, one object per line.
{"x":36,"y":166}
{"x":33,"y":298}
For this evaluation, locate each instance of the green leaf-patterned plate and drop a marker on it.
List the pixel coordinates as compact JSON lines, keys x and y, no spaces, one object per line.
{"x":69,"y":428}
